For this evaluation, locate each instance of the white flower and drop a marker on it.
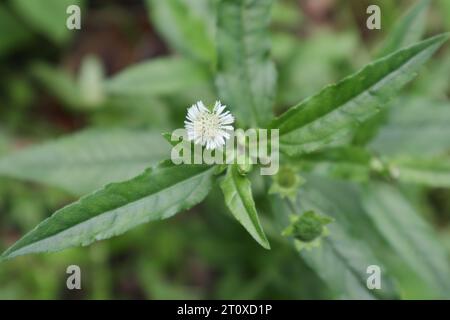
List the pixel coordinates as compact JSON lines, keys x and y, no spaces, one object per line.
{"x":208,"y":128}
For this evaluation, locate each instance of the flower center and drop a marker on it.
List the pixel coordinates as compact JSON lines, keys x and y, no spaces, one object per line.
{"x":207,"y":125}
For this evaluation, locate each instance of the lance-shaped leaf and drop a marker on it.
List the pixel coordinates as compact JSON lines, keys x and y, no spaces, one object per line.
{"x":411,"y":237}
{"x":246,"y":76}
{"x":333,"y":112}
{"x":157,"y":77}
{"x":238,"y":198}
{"x":156,"y":194}
{"x":186,"y":25}
{"x":408,"y":29}
{"x":87,"y":160}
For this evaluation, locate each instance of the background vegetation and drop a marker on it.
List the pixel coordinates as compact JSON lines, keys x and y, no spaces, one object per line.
{"x":59,"y":83}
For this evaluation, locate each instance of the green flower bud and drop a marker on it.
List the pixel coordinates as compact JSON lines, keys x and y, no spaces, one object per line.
{"x":307,"y":227}
{"x":286,"y":182}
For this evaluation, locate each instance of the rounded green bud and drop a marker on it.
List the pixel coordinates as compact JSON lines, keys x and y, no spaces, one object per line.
{"x":308,"y":227}
{"x":287,"y":178}
{"x":286,"y":182}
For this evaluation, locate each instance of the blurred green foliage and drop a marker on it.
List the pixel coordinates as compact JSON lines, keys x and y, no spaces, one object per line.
{"x":55,"y":82}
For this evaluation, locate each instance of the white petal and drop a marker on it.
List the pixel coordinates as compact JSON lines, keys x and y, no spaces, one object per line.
{"x":201,"y":107}
{"x":208,"y":128}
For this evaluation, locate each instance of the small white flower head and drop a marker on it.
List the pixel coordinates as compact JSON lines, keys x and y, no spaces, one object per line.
{"x":208,"y":128}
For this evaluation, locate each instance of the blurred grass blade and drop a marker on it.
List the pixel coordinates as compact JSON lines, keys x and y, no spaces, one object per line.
{"x":59,"y":83}
{"x":88,"y":160}
{"x":246,"y":77}
{"x":158,"y":193}
{"x":12,"y":33}
{"x":90,"y":81}
{"x":444,"y":8}
{"x":333,"y":112}
{"x":309,"y":64}
{"x":185,"y":26}
{"x":409,"y":29}
{"x":47,"y":16}
{"x":357,"y":164}
{"x":413,"y":239}
{"x":427,"y":172}
{"x":157,"y":77}
{"x":238,"y":198}
{"x":83,"y":93}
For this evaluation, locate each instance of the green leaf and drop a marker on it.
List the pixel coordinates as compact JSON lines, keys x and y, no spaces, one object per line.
{"x":157,"y":77}
{"x":158,"y":193}
{"x":342,"y":258}
{"x":350,"y":163}
{"x":90,"y":81}
{"x":83,"y":93}
{"x":310,"y":64}
{"x":345,"y":202}
{"x":238,"y":198}
{"x":415,"y":126}
{"x":187,"y":25}
{"x":333,"y":112}
{"x":434,"y":82}
{"x":428,"y":172}
{"x":286,"y":14}
{"x":408,"y":29}
{"x":348,"y":246}
{"x":88,"y":160}
{"x":246,"y":77}
{"x":12,"y":32}
{"x":59,"y":83}
{"x":413,"y":239}
{"x":369,"y":129}
{"x":47,"y":16}
{"x":444,"y":7}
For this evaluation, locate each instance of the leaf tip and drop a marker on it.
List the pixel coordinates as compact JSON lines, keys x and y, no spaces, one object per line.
{"x":265,"y":244}
{"x":441,"y":38}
